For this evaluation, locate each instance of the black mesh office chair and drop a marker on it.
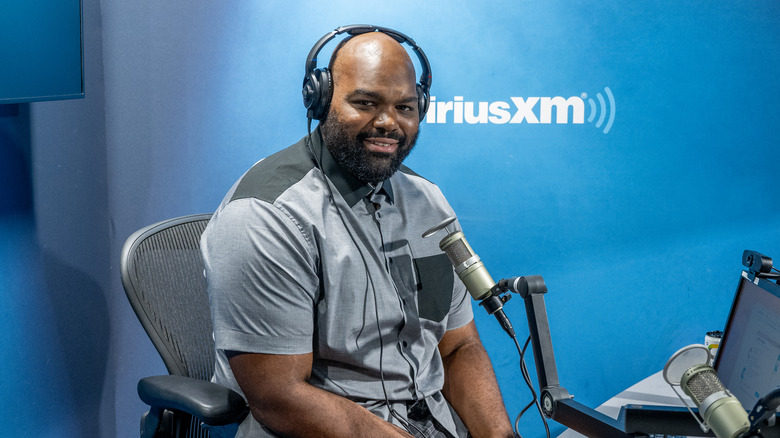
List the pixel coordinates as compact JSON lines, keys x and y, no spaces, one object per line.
{"x":162,"y":273}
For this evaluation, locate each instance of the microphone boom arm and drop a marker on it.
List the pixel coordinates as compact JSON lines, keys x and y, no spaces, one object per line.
{"x":556,"y":402}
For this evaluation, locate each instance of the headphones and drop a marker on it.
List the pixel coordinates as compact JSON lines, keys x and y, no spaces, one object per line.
{"x":318,"y":83}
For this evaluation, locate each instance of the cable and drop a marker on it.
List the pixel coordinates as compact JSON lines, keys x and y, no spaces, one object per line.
{"x":534,"y":398}
{"x":405,"y":423}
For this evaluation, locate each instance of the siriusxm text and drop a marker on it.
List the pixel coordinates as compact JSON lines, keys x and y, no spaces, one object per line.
{"x":530,"y":110}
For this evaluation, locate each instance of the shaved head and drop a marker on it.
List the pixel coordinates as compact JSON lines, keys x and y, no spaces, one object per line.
{"x":373,"y":119}
{"x":370,"y":50}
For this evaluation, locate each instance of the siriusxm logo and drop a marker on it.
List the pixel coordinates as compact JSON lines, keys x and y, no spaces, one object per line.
{"x":531,"y":110}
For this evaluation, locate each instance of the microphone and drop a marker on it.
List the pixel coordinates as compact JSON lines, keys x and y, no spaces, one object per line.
{"x":468,"y":265}
{"x":472,"y":273}
{"x":719,"y":410}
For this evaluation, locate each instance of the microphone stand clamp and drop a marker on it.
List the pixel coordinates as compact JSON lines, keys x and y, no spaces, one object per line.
{"x":499,"y":295}
{"x":494,"y":305}
{"x":523,"y":286}
{"x":763,"y":413}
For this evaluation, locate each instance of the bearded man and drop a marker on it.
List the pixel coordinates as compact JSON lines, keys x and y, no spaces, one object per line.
{"x":332,"y":316}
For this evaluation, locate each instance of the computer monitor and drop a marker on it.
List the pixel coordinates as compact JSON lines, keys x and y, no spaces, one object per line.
{"x":748,"y":359}
{"x":41,"y":51}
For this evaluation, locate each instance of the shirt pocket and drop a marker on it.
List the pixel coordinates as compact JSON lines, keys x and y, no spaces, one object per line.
{"x":435,"y":285}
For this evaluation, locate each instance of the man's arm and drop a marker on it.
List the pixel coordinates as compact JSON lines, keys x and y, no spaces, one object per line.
{"x":470,"y":385}
{"x":281,"y":398}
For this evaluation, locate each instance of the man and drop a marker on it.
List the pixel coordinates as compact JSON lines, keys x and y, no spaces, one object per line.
{"x":331,"y":315}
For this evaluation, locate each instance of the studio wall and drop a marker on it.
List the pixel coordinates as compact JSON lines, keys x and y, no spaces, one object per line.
{"x":622,"y":150}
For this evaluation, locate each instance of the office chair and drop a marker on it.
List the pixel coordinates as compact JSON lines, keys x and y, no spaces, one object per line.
{"x":163,"y":277}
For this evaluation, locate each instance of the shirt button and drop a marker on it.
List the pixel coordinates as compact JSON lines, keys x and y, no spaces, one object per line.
{"x":405,"y":344}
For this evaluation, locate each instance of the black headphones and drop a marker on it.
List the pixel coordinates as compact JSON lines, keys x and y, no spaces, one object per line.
{"x":318,"y":83}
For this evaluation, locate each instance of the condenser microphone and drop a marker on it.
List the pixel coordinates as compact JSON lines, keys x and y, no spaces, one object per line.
{"x":472,"y":273}
{"x":719,"y":410}
{"x":468,"y":265}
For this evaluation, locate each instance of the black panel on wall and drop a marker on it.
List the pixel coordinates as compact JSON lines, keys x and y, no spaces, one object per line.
{"x":40,"y":50}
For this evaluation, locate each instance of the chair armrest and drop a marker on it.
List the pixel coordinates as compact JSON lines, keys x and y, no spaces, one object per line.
{"x":213,"y":404}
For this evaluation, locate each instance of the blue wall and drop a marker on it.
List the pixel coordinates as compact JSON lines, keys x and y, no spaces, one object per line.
{"x":637,"y":224}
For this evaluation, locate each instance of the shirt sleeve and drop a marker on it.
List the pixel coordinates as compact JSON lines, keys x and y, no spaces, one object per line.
{"x":461,"y":312}
{"x":262,"y":279}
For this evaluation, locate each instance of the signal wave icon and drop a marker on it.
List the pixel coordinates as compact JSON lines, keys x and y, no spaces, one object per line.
{"x":604,"y":111}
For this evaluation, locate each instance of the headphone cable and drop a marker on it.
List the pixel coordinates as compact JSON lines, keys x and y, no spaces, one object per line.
{"x":405,"y":423}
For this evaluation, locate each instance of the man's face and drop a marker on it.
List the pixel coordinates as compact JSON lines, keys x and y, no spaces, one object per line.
{"x":373,"y":120}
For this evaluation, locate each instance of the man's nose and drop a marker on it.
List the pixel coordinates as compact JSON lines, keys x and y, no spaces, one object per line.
{"x":386,"y":120}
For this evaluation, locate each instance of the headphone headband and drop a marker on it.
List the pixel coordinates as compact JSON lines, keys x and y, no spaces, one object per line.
{"x":317,"y":84}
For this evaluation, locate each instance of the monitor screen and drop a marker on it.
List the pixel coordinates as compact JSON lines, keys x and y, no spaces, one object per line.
{"x":748,"y":359}
{"x":40,"y":51}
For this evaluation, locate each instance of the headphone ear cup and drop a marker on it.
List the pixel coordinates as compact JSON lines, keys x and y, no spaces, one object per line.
{"x":310,"y":92}
{"x":316,"y":93}
{"x":423,"y":100}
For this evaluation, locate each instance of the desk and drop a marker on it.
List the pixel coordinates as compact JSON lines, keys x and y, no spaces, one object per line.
{"x":652,"y":390}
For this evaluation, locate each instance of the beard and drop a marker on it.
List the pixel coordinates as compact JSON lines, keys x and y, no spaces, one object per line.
{"x":350,"y":153}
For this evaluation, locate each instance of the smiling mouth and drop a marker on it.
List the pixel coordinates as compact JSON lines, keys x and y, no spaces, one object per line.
{"x":381,"y":144}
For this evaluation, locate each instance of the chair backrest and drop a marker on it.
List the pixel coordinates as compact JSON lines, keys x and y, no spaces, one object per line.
{"x":163,"y":277}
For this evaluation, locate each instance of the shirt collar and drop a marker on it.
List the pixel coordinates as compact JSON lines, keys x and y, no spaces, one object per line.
{"x":350,"y":188}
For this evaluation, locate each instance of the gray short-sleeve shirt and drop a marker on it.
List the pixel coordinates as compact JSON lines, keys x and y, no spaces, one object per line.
{"x":292,"y":270}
